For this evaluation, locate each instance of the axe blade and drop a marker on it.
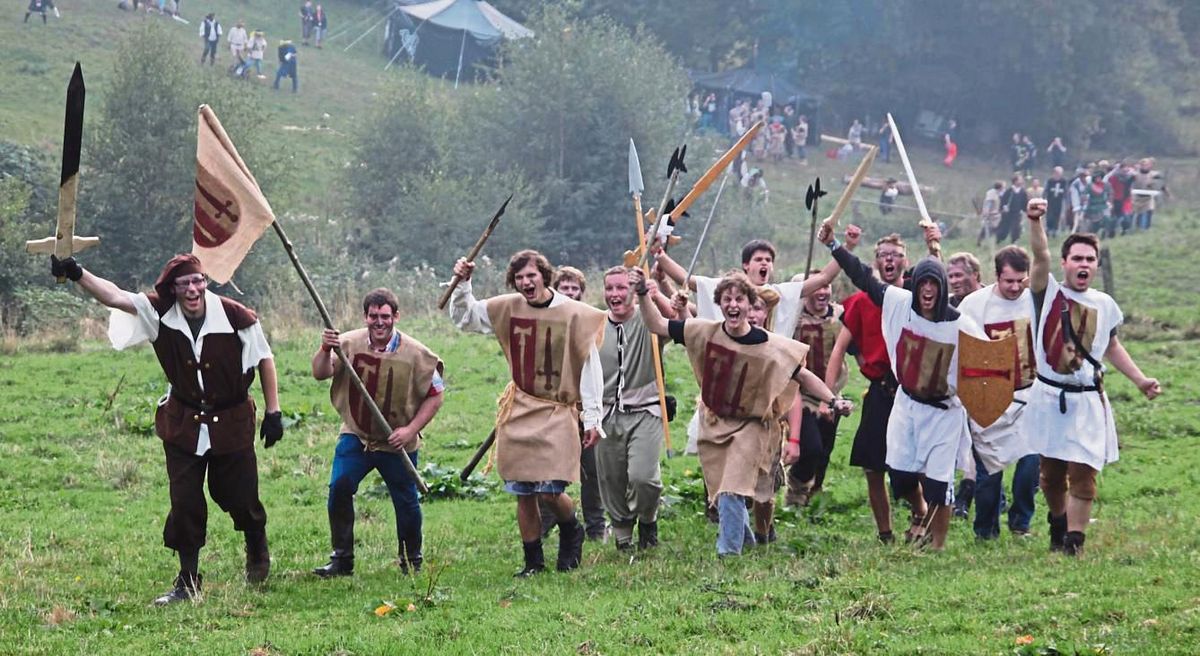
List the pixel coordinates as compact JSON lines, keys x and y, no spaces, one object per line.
{"x":809,"y":196}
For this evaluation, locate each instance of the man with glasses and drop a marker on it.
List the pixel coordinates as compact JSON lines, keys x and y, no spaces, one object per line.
{"x":208,"y":347}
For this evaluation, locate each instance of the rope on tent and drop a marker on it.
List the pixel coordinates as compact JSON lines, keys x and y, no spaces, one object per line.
{"x":359,"y":20}
{"x":372,"y":28}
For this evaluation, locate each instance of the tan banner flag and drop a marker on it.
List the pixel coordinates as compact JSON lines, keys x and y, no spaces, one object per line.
{"x":231,"y":211}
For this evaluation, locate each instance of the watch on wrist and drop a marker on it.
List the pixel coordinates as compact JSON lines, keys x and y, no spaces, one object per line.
{"x":834,"y":244}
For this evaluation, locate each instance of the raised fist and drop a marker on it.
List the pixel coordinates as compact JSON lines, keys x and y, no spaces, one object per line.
{"x":1036,"y":209}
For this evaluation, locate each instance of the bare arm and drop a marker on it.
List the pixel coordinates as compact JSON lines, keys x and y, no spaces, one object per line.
{"x":106,"y":292}
{"x":1039,"y":268}
{"x":1124,"y":363}
{"x":837,"y":359}
{"x":324,"y":362}
{"x":270,"y":384}
{"x":673,"y":269}
{"x":822,"y":279}
{"x":425,"y":413}
{"x":654,"y":320}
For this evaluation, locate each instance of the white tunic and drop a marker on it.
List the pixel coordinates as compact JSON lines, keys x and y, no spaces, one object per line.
{"x":1085,"y":433}
{"x":922,"y":438}
{"x":1006,"y":440}
{"x":125,"y":330}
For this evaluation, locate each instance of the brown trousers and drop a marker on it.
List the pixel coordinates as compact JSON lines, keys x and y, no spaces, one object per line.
{"x":232,"y":483}
{"x":1076,"y":479}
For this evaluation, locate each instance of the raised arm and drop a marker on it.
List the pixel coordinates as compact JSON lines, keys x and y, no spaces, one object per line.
{"x":858,"y":272}
{"x":466,"y":311}
{"x":100,"y":289}
{"x":654,"y":320}
{"x":822,"y":278}
{"x":672,"y":269}
{"x":1039,"y":245}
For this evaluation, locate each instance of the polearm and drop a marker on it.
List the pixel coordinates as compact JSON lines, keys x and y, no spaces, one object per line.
{"x":674,"y":168}
{"x":635,"y":190}
{"x":380,"y":420}
{"x":860,"y":174}
{"x":479,"y":454}
{"x":704,"y":233}
{"x":64,"y":243}
{"x":935,"y":247}
{"x":715,"y":170}
{"x":474,"y":252}
{"x":812,"y":200}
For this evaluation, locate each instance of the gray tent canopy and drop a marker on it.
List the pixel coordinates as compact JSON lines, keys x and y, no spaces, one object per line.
{"x":446,"y":37}
{"x":752,"y":82}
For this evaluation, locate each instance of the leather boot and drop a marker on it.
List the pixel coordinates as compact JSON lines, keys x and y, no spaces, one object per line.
{"x":258,"y":557}
{"x":535,"y":561}
{"x":1058,"y":530}
{"x":647,"y":534}
{"x":410,"y":554}
{"x":570,"y":545}
{"x":341,"y":535}
{"x":1073,"y":543}
{"x":185,"y":588}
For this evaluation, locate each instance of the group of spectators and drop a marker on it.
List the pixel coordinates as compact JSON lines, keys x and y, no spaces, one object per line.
{"x":1023,"y":154}
{"x":1107,"y":198}
{"x":247,"y":49}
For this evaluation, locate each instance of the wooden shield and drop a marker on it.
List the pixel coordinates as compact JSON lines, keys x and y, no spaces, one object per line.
{"x":986,"y":377}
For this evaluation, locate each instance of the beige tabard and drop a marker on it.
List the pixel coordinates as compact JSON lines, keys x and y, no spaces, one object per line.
{"x":745,"y":391}
{"x":537,"y":427}
{"x":399,"y":382}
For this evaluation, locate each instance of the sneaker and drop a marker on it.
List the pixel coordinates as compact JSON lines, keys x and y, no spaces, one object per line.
{"x":185,"y":588}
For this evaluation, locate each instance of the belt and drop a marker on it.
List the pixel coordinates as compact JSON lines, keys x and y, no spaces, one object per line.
{"x":937,"y":402}
{"x":887,"y":383}
{"x":1064,"y":388}
{"x":205,"y":407}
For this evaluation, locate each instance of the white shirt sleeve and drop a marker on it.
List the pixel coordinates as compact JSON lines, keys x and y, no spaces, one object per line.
{"x":591,"y":391}
{"x":125,"y":329}
{"x":467,"y":312}
{"x":255,"y":348}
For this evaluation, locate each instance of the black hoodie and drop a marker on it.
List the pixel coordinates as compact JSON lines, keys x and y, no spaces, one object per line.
{"x":932,"y":268}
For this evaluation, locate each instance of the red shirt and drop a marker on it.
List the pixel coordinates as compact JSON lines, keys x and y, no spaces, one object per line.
{"x":864,"y":320}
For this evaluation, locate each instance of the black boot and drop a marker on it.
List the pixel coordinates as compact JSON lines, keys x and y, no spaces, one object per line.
{"x":185,"y":588}
{"x":1073,"y":543}
{"x":258,"y":557}
{"x":647,"y":534}
{"x":962,"y":499}
{"x":535,"y":561}
{"x":341,"y":535}
{"x":570,"y":545}
{"x":1058,"y":531}
{"x":410,"y":554}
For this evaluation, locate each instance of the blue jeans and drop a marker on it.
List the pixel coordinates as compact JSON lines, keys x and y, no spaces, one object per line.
{"x":1142,"y":219}
{"x":352,"y":463}
{"x":733,"y":530}
{"x":989,"y":494}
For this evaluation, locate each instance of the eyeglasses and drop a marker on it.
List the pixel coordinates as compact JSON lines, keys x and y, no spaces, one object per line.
{"x":182,"y":284}
{"x":889,"y":255}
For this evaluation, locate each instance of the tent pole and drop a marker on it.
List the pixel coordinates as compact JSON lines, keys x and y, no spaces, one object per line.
{"x":461,"y":48}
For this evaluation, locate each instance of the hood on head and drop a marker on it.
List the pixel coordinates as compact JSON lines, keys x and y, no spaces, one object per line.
{"x":932,"y":268}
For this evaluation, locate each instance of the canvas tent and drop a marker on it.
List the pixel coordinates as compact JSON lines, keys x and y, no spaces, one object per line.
{"x":448,"y":37}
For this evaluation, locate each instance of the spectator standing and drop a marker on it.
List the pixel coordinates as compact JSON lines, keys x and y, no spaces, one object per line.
{"x":1012,"y":207}
{"x":319,"y":25}
{"x":1016,"y":152}
{"x":1035,"y":189}
{"x":287,"y":64}
{"x":306,"y":22}
{"x":1147,"y":185}
{"x":989,"y":214}
{"x":1077,"y":192}
{"x":1097,"y":199}
{"x":210,"y":33}
{"x":1030,"y":158}
{"x":1120,"y":180}
{"x":777,"y":135}
{"x":887,"y":198}
{"x":800,"y":138}
{"x":36,"y":6}
{"x":237,"y":40}
{"x":1057,"y":152}
{"x":1056,"y":191}
{"x":885,"y":138}
{"x":258,"y":47}
{"x":854,"y":136}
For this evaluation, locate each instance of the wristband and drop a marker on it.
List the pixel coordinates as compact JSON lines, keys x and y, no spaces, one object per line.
{"x":834,"y":244}
{"x":641,"y":289}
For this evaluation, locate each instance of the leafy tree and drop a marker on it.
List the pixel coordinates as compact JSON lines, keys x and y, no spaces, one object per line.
{"x":139,"y":187}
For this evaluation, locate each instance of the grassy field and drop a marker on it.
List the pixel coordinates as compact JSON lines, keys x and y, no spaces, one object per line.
{"x":83,"y":490}
{"x":83,"y":498}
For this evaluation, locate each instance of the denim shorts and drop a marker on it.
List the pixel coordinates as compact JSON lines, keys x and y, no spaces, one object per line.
{"x":527,"y":488}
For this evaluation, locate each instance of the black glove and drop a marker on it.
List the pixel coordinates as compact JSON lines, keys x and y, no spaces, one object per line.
{"x":272,"y":428}
{"x":67,"y":268}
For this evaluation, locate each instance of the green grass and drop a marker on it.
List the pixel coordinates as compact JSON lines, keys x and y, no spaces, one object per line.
{"x":83,"y":490}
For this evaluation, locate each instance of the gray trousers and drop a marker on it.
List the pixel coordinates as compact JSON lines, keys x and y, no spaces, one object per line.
{"x":628,"y":464}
